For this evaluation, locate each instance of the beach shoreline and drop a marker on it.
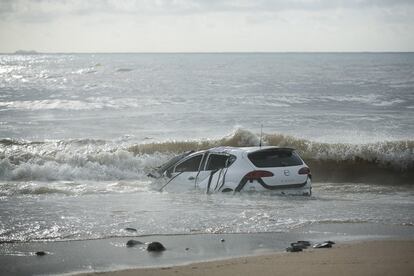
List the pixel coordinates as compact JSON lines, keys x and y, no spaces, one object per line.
{"x":112,"y":255}
{"x":381,"y":257}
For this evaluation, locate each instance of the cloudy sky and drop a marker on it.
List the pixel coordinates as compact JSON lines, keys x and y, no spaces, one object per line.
{"x":206,"y":25}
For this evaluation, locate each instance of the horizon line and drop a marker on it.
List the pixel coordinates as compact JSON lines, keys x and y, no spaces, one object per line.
{"x":34,"y":52}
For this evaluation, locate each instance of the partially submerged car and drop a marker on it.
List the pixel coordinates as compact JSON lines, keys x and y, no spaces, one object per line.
{"x":238,"y":169}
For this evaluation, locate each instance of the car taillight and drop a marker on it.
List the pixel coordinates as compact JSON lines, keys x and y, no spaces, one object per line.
{"x":304,"y":170}
{"x":254,"y":175}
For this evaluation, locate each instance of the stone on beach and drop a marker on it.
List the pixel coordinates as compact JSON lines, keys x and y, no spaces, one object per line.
{"x":131,"y":243}
{"x":294,"y":249}
{"x":307,"y":243}
{"x":155,"y":247}
{"x":322,"y":245}
{"x":298,"y":245}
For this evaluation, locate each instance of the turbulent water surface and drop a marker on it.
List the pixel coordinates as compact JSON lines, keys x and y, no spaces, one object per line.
{"x":79,"y":133}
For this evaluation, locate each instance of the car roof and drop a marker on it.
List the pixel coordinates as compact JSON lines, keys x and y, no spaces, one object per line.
{"x":235,"y":150}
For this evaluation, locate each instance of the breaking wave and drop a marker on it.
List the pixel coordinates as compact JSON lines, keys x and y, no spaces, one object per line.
{"x":388,"y":162}
{"x":90,"y":103}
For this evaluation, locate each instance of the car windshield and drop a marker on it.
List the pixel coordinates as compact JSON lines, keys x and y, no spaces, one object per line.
{"x":170,"y":163}
{"x":275,"y":158}
{"x":190,"y":165}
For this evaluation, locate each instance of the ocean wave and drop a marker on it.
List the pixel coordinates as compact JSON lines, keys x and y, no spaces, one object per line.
{"x":395,"y":154}
{"x":90,"y":103}
{"x":86,"y":71}
{"x":390,"y":162}
{"x":124,"y":70}
{"x":50,"y":105}
{"x":10,"y":141}
{"x":31,"y":190}
{"x":71,"y":188}
{"x":340,"y":221}
{"x":57,"y":165}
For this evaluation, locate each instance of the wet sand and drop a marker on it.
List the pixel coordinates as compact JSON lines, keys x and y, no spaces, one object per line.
{"x":384,"y":257}
{"x":219,"y":253}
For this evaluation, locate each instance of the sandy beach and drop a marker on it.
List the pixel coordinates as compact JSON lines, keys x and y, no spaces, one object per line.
{"x":362,"y":258}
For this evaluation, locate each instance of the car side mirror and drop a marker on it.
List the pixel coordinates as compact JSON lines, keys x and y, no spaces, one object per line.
{"x":168,"y":173}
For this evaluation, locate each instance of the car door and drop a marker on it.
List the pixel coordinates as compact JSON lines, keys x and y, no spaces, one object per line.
{"x":186,"y":174}
{"x":214,"y":171}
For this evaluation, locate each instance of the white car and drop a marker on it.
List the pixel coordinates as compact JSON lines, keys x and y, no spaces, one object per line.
{"x":238,"y":169}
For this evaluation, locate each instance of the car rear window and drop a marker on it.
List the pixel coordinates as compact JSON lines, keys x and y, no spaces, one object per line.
{"x":275,"y":158}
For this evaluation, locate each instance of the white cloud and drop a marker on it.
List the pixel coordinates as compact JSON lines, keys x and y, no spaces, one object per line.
{"x":23,"y":9}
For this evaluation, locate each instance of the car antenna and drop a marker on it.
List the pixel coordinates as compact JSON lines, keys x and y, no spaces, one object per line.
{"x":261,"y":133}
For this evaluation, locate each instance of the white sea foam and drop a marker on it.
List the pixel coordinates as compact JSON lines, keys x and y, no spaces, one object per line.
{"x":89,"y":103}
{"x":71,"y":160}
{"x":364,"y":99}
{"x":389,"y":103}
{"x":51,"y":104}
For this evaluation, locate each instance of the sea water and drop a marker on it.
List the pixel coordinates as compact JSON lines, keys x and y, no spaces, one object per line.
{"x":80,"y":132}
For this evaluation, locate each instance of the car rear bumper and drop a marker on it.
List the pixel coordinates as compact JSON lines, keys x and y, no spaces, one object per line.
{"x":282,"y":187}
{"x":261,"y":185}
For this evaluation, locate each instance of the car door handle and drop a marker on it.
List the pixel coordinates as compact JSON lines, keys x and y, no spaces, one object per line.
{"x":191,"y":178}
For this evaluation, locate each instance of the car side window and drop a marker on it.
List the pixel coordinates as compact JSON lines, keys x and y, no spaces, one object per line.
{"x":189,"y":165}
{"x":218,"y":161}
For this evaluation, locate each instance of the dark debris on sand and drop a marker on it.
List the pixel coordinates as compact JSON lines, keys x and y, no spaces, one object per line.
{"x":130,"y":229}
{"x":301,"y":245}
